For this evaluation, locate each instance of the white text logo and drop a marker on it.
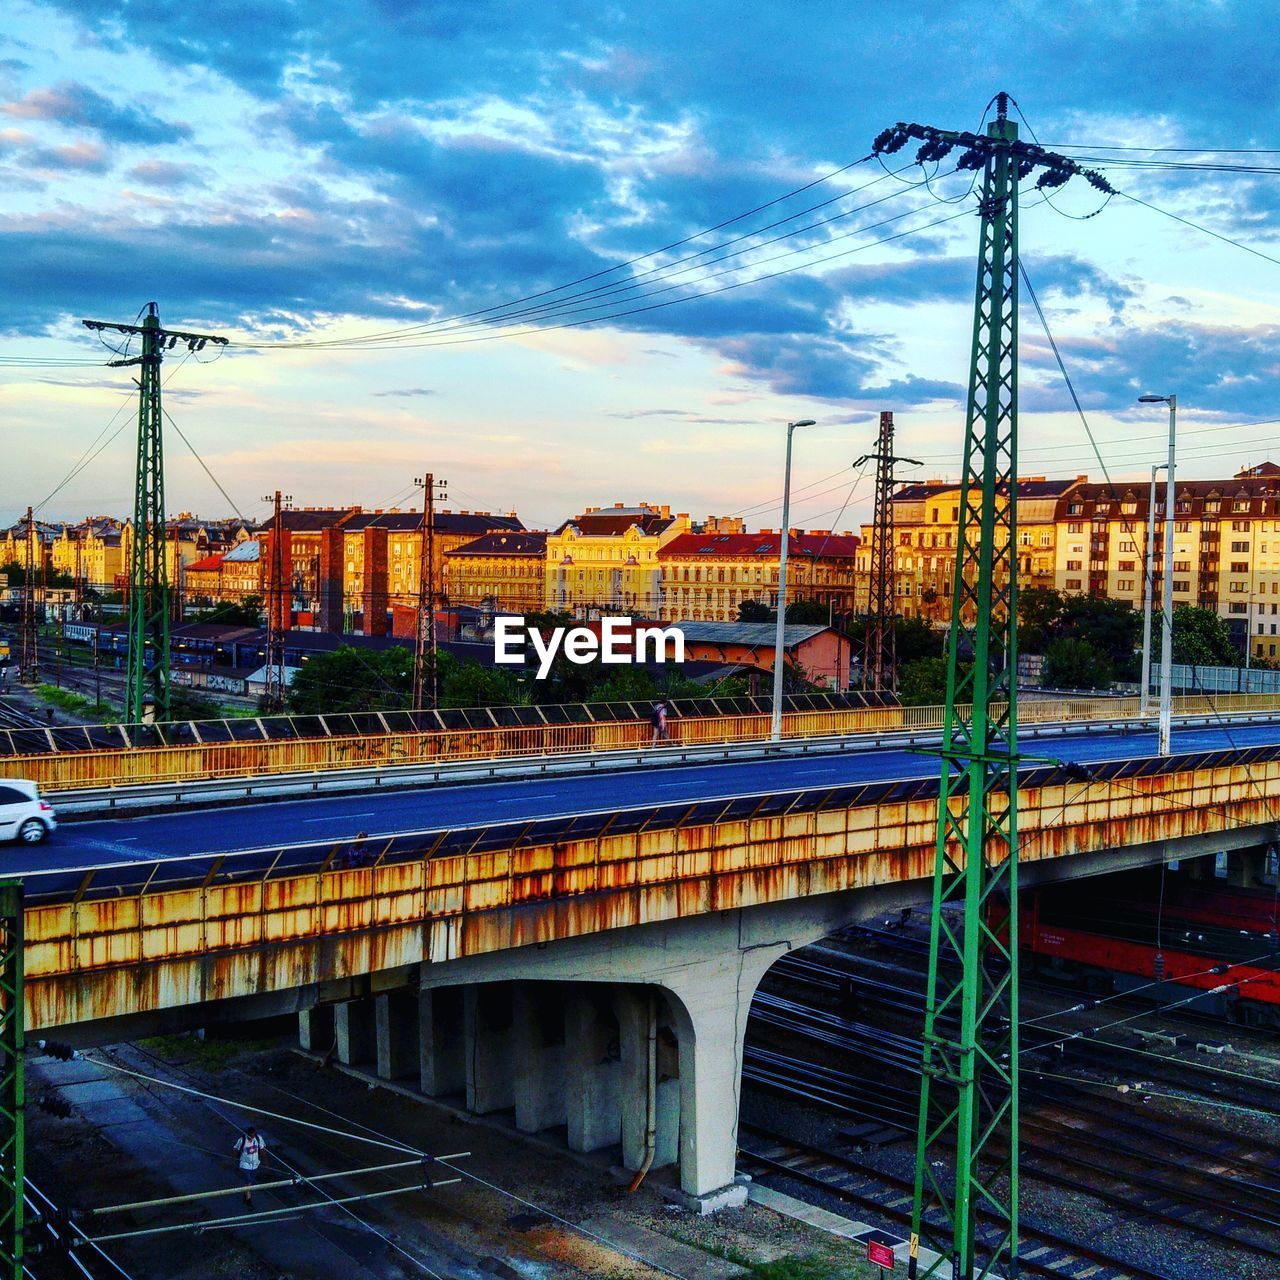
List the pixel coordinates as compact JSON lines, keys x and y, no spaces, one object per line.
{"x":618,"y":641}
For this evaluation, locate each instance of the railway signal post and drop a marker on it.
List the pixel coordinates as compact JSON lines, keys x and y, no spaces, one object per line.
{"x":968,"y":1116}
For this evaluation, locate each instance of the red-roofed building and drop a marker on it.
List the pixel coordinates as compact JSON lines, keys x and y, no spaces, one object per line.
{"x":707,"y":576}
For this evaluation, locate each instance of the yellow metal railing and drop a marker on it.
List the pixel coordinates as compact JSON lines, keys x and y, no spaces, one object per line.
{"x":138,"y":766}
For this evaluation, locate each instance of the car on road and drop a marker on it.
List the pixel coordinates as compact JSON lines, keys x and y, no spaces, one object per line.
{"x":23,"y":815}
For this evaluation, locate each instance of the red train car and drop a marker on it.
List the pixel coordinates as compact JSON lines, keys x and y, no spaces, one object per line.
{"x":1117,"y":944}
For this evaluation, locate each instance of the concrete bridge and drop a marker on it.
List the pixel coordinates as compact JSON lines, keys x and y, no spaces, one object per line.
{"x":588,"y":954}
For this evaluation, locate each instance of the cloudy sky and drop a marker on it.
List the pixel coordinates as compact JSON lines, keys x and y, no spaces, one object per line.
{"x":482,"y":229}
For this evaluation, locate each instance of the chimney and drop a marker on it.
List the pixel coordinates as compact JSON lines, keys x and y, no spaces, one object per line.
{"x":666,"y":510}
{"x":619,"y":504}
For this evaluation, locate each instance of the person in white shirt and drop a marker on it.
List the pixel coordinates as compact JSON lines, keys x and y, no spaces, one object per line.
{"x":250,"y":1146}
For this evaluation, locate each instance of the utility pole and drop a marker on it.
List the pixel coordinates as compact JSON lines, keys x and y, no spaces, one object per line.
{"x":879,"y":656}
{"x":425,"y":691}
{"x":278,"y":610}
{"x":968,"y":1116}
{"x":148,"y":565}
{"x":30,"y":633}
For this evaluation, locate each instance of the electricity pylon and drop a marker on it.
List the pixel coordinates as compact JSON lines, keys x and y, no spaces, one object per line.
{"x":879,"y":653}
{"x":279,"y":606}
{"x":968,"y":1114}
{"x":425,"y":675}
{"x":148,"y":565}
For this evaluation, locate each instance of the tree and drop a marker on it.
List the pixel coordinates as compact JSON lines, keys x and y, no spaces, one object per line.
{"x":1039,"y":609}
{"x":471,"y":685}
{"x":754,"y":611}
{"x":1201,"y":639}
{"x":244,"y":613}
{"x":808,"y":613}
{"x":1071,"y":663}
{"x":350,"y":679}
{"x":1112,"y":627}
{"x":923,"y":683}
{"x":914,"y":638}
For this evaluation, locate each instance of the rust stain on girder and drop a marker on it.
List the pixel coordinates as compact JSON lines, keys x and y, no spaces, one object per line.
{"x":101,"y":957}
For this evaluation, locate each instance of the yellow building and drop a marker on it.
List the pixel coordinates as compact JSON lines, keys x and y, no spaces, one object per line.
{"x":499,"y":573}
{"x":606,"y":560}
{"x":1226,"y":549}
{"x":926,"y":519}
{"x":708,"y":576}
{"x":92,"y":552}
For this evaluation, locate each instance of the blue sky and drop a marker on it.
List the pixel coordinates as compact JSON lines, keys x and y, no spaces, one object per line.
{"x":284,"y":170}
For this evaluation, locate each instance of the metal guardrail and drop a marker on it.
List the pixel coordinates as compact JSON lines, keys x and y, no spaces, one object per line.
{"x":192,"y":760}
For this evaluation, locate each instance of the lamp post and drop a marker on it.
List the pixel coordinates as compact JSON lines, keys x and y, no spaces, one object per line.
{"x":775,"y":731}
{"x":1166,"y":651}
{"x":1148,"y":591}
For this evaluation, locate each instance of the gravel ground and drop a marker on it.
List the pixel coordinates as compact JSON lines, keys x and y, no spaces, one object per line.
{"x":469,"y":1232}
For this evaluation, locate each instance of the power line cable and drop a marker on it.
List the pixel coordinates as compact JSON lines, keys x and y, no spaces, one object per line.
{"x":1195,"y":226}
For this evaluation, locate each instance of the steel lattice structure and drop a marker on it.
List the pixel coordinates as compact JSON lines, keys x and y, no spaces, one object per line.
{"x":12,"y":1087}
{"x":880,"y":660}
{"x":148,"y":562}
{"x":969,"y":1081}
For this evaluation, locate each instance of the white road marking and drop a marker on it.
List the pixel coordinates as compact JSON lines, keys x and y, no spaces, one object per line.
{"x":340,"y":817}
{"x":545,"y":795}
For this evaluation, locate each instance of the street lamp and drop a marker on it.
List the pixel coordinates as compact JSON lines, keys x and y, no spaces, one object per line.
{"x":1166,"y":651}
{"x":775,"y":731}
{"x":1148,"y":591}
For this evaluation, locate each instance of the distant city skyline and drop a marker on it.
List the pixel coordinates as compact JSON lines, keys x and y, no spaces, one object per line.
{"x":266,"y":179}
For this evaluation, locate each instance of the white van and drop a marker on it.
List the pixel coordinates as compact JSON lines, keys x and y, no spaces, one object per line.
{"x":23,"y":815}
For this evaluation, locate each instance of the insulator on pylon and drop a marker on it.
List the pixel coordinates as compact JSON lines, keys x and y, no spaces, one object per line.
{"x":56,"y":1049}
{"x":1051,"y":179}
{"x":56,"y":1105}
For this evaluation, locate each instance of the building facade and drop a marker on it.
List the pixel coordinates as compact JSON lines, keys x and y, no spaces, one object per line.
{"x":499,"y":573}
{"x":605,"y":561}
{"x":1226,"y":549}
{"x":708,"y":576}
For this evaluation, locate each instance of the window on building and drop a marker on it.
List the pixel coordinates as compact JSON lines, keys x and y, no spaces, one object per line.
{"x":1238,"y":588}
{"x":1128,"y":508}
{"x":1075,"y":509}
{"x":1073,"y":584}
{"x":1233,"y":607}
{"x":1124,"y":584}
{"x":1075,"y":527}
{"x":1182,"y":526}
{"x":1024,"y":539}
{"x":1183,"y":507}
{"x":1239,"y":526}
{"x":1239,"y":566}
{"x":1046,"y":539}
{"x":935,"y":513}
{"x":1127,"y":548}
{"x":1240,"y":504}
{"x":1183,"y":586}
{"x":1182,"y":566}
{"x":1075,"y":566}
{"x":1239,"y":546}
{"x":1125,"y":566}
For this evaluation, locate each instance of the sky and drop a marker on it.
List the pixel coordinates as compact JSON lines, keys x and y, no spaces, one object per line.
{"x":477,"y":228}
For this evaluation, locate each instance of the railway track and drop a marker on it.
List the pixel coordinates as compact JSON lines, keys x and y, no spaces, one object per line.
{"x":1047,"y":1254}
{"x":1176,"y":1170}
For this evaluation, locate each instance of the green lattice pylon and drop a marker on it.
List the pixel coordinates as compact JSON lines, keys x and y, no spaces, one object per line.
{"x":148,"y":562}
{"x":965,"y":1210}
{"x":12,"y":1089}
{"x":148,"y":554}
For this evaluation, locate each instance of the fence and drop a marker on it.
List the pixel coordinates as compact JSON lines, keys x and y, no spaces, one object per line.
{"x":184,"y":761}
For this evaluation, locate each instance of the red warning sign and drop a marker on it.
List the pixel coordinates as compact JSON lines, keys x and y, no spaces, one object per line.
{"x":880,"y":1254}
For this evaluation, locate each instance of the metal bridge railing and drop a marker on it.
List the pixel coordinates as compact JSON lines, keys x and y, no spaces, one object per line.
{"x":183,"y":761}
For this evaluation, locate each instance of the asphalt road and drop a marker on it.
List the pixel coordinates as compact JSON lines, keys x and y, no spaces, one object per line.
{"x":227,"y":828}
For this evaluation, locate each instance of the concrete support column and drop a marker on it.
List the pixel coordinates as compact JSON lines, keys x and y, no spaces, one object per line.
{"x":315,"y":1028}
{"x":441,"y":1041}
{"x":538,"y":1041}
{"x":710,"y":1017}
{"x":593,"y":1071}
{"x":396,"y":1025}
{"x":487,"y":1019}
{"x":353,"y":1024}
{"x":1245,"y":868}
